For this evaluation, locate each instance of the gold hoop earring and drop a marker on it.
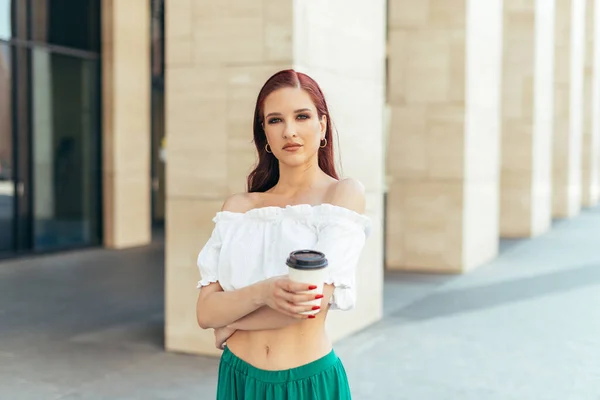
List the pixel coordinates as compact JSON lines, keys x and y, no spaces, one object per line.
{"x":268,"y":148}
{"x":324,"y":145}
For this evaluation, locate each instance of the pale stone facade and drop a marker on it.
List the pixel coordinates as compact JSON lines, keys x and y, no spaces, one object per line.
{"x":443,"y":88}
{"x":568,"y":106}
{"x":590,"y":147}
{"x":483,"y":137}
{"x":126,"y":122}
{"x":527,"y":94}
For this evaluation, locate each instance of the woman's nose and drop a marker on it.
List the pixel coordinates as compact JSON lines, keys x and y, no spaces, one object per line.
{"x":290,"y":130}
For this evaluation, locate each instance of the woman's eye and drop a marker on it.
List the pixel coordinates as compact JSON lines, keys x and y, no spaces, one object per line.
{"x":274,"y":120}
{"x":303,"y":116}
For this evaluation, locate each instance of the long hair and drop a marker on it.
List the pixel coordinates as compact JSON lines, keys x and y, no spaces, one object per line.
{"x":266,"y":173}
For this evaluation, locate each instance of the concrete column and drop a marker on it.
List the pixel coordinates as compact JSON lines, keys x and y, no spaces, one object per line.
{"x":218,"y":57}
{"x":527,"y":102}
{"x":590,"y":149}
{"x":443,"y":154}
{"x":126,"y":122}
{"x":568,"y":107}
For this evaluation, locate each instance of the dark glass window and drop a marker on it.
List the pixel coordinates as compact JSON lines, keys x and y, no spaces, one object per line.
{"x":65,"y":137}
{"x":50,"y":146}
{"x":74,"y":24}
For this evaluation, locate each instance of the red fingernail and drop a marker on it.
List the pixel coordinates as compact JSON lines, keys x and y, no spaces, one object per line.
{"x":319,"y":296}
{"x":316,"y":307}
{"x":311,"y":316}
{"x":312,"y":287}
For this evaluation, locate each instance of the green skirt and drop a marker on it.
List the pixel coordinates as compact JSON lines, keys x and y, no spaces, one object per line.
{"x":322,"y":379}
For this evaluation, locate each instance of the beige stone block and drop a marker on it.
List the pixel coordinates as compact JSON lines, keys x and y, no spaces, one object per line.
{"x":569,"y":76}
{"x":591,"y":140}
{"x":457,"y":83}
{"x":407,"y":143}
{"x":482,"y":145}
{"x":229,"y":39}
{"x":241,"y":159}
{"x":240,"y":115}
{"x":481,"y":218}
{"x":206,"y":9}
{"x":196,"y":105}
{"x":521,"y":6}
{"x":431,"y":218}
{"x":197,"y":132}
{"x":179,"y":53}
{"x":541,"y":205}
{"x":428,"y":65}
{"x":446,"y":150}
{"x":397,"y":66}
{"x":245,"y":81}
{"x":188,"y":228}
{"x":131,"y":148}
{"x":517,"y":147}
{"x":127,"y":207}
{"x":561,"y":102}
{"x":516,"y":205}
{"x":199,"y":173}
{"x":447,"y":13}
{"x":211,"y":9}
{"x":178,"y":20}
{"x":527,"y":113}
{"x":566,"y":200}
{"x":126,"y":123}
{"x":360,"y":134}
{"x":279,"y":24}
{"x":395,"y":228}
{"x":408,"y":13}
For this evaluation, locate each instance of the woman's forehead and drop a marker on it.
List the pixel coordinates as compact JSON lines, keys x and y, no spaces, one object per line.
{"x":288,"y":100}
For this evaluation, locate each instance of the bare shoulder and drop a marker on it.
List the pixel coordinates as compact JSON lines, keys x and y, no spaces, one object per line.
{"x":239,"y":203}
{"x":349,"y":193}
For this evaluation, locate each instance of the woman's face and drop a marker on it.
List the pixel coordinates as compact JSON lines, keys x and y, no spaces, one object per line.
{"x":293,"y":128}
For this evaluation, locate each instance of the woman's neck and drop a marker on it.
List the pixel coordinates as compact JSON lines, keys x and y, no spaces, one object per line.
{"x":295,"y":180}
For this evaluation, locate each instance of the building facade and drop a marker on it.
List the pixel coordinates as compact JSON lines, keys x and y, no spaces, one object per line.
{"x":466,"y":120}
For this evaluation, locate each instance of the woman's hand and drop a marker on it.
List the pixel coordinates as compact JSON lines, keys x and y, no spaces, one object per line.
{"x":221,"y":336}
{"x":284,"y":295}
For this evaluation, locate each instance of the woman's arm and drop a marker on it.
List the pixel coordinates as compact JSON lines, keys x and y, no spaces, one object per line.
{"x":216,"y":308}
{"x":266,"y":318}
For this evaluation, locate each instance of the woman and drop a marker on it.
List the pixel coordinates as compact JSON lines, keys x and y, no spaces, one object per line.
{"x":294,"y":201}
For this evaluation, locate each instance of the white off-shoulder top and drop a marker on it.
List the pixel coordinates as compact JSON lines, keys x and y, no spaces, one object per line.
{"x":245,"y":248}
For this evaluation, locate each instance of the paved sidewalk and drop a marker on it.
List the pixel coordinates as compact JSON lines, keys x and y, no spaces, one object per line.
{"x":88,"y":325}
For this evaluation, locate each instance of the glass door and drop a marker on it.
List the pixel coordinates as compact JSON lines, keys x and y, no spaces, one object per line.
{"x":14,"y":126}
{"x":50,"y":171}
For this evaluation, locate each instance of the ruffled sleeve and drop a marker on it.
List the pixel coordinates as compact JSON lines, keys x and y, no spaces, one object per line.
{"x":208,"y":258}
{"x":342,"y":236}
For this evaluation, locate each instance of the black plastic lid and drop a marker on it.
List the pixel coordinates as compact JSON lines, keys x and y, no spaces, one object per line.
{"x":306,"y":259}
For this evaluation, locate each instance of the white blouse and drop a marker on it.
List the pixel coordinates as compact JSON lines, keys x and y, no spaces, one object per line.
{"x":249,"y":247}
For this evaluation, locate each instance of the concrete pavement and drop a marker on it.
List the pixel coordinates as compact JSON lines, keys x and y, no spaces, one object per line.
{"x":88,"y":325}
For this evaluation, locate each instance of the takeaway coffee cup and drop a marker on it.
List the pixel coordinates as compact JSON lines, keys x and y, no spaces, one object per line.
{"x":308,"y":266}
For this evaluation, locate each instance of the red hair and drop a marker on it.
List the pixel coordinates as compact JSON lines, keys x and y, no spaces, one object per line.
{"x":266,"y":173}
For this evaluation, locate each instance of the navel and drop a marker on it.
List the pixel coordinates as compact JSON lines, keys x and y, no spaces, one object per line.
{"x":267,"y":350}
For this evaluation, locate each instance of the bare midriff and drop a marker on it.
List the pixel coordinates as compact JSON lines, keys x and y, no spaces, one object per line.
{"x":284,"y":348}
